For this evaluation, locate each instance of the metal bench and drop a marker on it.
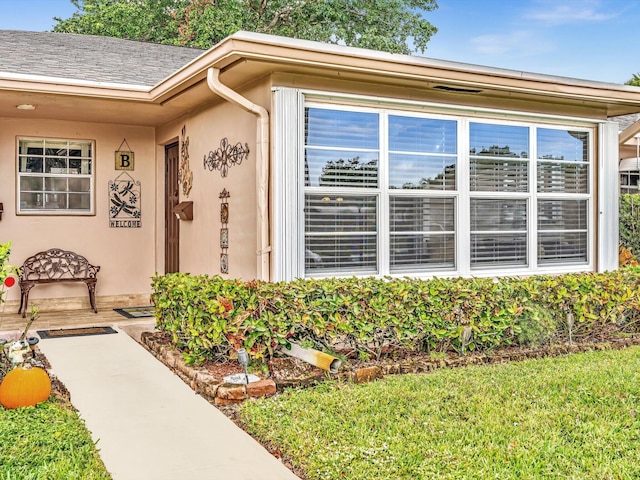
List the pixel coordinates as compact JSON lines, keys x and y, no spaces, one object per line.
{"x":53,"y":266}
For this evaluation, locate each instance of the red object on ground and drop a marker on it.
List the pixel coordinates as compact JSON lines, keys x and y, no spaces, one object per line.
{"x":9,"y":282}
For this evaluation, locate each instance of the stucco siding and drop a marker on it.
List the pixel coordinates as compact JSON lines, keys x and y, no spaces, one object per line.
{"x":200,"y":239}
{"x":125,"y":255}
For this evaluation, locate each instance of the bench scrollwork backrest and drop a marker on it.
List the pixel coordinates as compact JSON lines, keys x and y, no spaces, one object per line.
{"x":57,"y":264}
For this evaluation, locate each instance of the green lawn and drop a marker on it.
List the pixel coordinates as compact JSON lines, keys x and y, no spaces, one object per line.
{"x":574,"y":417}
{"x":47,"y":442}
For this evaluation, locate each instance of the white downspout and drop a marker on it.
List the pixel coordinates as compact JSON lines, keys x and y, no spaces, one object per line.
{"x":262,"y":166}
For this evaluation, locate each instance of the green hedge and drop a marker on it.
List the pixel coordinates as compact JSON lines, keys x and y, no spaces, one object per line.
{"x":208,"y":317}
{"x":629,"y":209}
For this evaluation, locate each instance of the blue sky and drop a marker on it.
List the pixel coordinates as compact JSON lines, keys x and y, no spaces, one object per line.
{"x":588,"y":39}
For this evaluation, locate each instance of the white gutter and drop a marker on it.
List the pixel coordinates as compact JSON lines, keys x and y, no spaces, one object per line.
{"x":262,"y":166}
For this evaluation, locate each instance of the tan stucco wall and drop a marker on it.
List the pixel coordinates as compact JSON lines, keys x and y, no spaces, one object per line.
{"x":200,"y":239}
{"x":125,"y":255}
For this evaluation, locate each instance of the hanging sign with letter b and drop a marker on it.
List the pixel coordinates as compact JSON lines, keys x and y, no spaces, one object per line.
{"x":124,"y":159}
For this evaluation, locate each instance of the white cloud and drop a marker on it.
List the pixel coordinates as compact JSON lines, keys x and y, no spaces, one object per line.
{"x":519,"y":43}
{"x":570,"y":11}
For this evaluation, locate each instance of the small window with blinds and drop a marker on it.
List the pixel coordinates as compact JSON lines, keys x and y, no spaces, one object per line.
{"x":55,"y":177}
{"x":498,"y":232}
{"x":498,"y":158}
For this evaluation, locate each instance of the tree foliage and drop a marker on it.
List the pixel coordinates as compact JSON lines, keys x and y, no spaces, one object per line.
{"x":634,"y":80}
{"x":396,"y":26}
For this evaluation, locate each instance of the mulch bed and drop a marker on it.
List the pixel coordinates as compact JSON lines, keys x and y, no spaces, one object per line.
{"x":289,"y":371}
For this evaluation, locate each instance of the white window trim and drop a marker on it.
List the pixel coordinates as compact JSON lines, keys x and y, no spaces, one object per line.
{"x":57,"y":212}
{"x":295,"y":212}
{"x":288,"y":196}
{"x":608,"y":196}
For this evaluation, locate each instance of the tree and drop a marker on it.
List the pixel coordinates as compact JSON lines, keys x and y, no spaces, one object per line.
{"x":635,"y":80}
{"x":394,"y":26}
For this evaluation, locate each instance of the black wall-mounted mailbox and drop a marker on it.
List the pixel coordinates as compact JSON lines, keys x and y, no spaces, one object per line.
{"x":184,"y":211}
{"x":1,"y":210}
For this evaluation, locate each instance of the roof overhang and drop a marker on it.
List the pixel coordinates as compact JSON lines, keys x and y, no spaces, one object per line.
{"x":244,"y":57}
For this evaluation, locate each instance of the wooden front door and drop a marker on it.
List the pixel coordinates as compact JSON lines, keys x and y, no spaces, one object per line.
{"x":171,"y":222}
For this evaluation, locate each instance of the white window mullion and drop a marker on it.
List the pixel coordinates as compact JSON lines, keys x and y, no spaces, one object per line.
{"x":533,"y":201}
{"x":384,"y":242}
{"x":463,"y":220}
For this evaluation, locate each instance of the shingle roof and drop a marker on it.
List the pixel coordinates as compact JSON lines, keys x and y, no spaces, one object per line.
{"x":625,"y":121}
{"x":90,"y":58}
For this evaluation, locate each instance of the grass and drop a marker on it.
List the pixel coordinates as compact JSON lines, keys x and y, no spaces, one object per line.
{"x":48,"y":441}
{"x":574,"y":417}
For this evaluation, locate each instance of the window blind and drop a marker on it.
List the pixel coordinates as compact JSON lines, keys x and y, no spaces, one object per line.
{"x":422,"y":233}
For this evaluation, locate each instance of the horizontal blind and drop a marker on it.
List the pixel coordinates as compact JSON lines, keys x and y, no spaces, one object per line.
{"x":424,"y":172}
{"x":422,"y":233}
{"x":498,"y":232}
{"x":554,"y":177}
{"x":341,"y":148}
{"x":562,"y":168}
{"x":566,"y":145}
{"x":422,"y":153}
{"x":562,"y":231}
{"x":498,"y":158}
{"x":340,"y":233}
{"x":341,"y":168}
{"x":488,"y":175}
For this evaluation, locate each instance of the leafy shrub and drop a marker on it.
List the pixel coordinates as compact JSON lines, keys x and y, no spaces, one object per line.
{"x":210,"y":317}
{"x":629,"y":222}
{"x":626,"y":258}
{"x":6,"y":270}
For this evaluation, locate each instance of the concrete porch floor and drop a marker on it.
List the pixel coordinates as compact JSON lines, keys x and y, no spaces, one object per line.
{"x":12,"y":323}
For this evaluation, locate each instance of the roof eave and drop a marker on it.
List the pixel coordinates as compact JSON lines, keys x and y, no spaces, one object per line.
{"x":283,"y":52}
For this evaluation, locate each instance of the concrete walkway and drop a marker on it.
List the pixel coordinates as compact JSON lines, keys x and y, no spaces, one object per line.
{"x":150,"y":425}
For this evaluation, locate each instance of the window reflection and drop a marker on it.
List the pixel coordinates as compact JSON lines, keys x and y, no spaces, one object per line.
{"x":48,"y":170}
{"x":568,"y":145}
{"x":339,"y":168}
{"x":422,"y":153}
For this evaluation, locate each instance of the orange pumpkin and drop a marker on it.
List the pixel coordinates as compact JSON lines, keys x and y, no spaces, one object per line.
{"x":24,"y":387}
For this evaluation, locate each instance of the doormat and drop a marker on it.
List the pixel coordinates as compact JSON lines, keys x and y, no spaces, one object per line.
{"x":136,"y":312}
{"x":74,"y":332}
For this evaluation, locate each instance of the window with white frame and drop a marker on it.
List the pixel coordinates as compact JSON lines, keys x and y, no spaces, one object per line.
{"x":563,"y":164}
{"x":629,"y":182}
{"x":390,"y":192}
{"x":55,"y":176}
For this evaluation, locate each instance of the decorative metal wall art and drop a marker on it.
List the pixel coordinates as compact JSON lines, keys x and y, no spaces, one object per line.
{"x":226,"y":156}
{"x":185,"y":175}
{"x":125,"y":159}
{"x":224,"y":231}
{"x":124,"y":202}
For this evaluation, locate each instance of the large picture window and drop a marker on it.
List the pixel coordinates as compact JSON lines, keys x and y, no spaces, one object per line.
{"x":55,"y":176}
{"x":404,"y":193}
